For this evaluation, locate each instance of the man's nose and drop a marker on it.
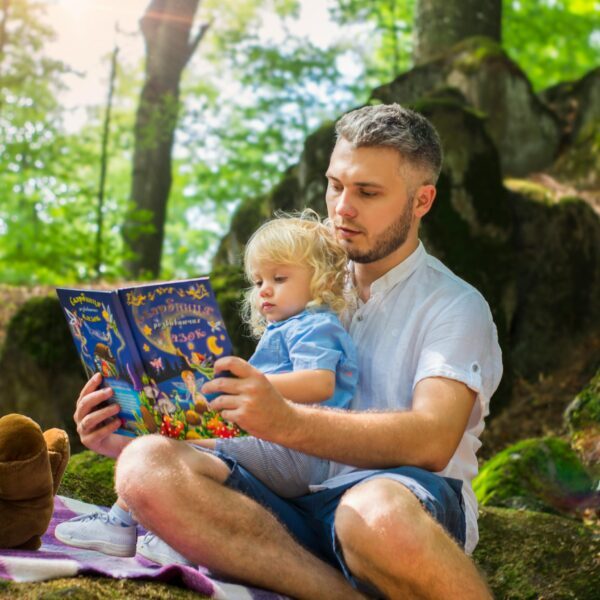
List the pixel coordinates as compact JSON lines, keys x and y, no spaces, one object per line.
{"x":344,"y":207}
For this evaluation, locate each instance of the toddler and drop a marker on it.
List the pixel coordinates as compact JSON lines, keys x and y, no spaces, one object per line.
{"x":297,"y":271}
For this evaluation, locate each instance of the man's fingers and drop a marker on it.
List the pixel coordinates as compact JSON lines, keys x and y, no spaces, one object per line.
{"x":86,"y":403}
{"x":237,"y":366}
{"x":225,"y":403}
{"x":92,"y":434}
{"x":90,"y":385}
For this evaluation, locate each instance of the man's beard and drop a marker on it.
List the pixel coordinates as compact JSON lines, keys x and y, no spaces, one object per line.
{"x":386,"y":242}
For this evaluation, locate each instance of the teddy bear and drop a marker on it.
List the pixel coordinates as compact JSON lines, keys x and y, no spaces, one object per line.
{"x":32,"y":464}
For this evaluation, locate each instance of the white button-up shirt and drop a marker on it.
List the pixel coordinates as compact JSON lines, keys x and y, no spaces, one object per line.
{"x":422,"y":321}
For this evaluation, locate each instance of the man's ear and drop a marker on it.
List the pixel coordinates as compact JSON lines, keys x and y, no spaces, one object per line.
{"x":423,"y":200}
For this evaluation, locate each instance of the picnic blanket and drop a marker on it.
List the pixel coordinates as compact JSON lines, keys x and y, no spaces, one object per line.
{"x":54,"y":559}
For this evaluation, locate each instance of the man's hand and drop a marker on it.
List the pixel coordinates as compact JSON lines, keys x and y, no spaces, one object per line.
{"x":248,"y":399}
{"x":90,"y":416}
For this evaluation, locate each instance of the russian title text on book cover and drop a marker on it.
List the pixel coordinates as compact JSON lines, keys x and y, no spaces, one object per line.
{"x":155,"y":346}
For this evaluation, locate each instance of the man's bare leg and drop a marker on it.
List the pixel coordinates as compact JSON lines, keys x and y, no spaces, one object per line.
{"x":177,"y":492}
{"x":389,"y":540}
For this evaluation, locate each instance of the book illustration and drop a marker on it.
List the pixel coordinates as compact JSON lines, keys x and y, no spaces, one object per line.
{"x":156,"y":346}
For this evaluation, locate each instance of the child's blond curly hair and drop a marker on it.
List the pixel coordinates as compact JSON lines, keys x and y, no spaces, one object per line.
{"x":298,"y":239}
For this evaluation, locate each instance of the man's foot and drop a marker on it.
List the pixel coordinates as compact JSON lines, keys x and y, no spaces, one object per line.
{"x":96,"y":532}
{"x":153,"y":548}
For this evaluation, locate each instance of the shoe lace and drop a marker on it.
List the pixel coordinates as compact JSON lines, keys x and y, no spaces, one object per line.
{"x":97,"y":516}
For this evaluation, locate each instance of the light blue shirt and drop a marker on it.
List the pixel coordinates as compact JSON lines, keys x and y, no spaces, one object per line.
{"x":312,"y":339}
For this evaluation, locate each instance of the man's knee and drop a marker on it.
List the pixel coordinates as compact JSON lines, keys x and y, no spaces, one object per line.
{"x":141,"y":463}
{"x":377,"y":520}
{"x":153,"y":463}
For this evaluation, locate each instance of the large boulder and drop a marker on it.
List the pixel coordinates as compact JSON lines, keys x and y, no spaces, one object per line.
{"x":558,"y":276}
{"x":577,"y":104}
{"x":525,"y":131}
{"x":582,"y":417}
{"x":529,"y":555}
{"x":41,"y":372}
{"x":543,"y":474}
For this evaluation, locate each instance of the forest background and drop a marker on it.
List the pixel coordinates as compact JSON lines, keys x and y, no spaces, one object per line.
{"x":264,"y":74}
{"x":151,"y":143}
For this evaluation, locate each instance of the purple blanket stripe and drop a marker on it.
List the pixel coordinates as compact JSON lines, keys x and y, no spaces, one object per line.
{"x":95,"y":563}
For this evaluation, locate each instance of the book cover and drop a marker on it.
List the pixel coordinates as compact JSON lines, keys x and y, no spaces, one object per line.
{"x":156,"y":346}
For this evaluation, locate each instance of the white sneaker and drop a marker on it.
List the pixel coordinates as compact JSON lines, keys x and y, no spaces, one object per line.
{"x":153,"y":548}
{"x":95,"y":532}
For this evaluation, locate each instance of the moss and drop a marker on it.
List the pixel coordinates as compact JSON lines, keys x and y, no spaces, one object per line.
{"x":530,"y":190}
{"x":89,"y":477}
{"x":474,"y":51}
{"x":528,"y":555}
{"x":544,"y":474}
{"x":95,"y":588}
{"x":39,"y":330}
{"x":584,"y":411}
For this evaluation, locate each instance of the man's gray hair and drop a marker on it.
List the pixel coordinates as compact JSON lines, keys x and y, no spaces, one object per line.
{"x":393,"y":126}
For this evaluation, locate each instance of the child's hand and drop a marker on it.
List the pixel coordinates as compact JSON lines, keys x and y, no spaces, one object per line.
{"x":248,"y":399}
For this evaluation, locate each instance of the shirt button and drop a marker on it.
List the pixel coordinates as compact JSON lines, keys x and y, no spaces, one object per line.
{"x":359,"y":318}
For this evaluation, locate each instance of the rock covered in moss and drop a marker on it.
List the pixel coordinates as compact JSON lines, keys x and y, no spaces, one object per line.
{"x":89,"y":477}
{"x":577,"y":103}
{"x":530,"y":555}
{"x":41,"y":372}
{"x":582,"y":417}
{"x":494,"y":85}
{"x":557,"y":275}
{"x":542,"y":474}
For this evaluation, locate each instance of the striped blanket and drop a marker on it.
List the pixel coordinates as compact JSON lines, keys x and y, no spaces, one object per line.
{"x":54,"y":560}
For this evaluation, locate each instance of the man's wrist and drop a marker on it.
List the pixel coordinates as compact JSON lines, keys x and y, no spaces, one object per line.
{"x":288,"y":431}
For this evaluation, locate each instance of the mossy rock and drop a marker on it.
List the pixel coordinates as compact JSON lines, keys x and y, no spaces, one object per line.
{"x":582,"y":417}
{"x":41,"y":371}
{"x":89,"y":477}
{"x":529,"y":555}
{"x":495,"y":86}
{"x":542,"y":474}
{"x":38,"y":329}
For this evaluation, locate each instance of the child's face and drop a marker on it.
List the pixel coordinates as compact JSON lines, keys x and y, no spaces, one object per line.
{"x":283,"y":290}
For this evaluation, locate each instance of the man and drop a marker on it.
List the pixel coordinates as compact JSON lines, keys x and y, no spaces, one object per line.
{"x":429,"y":362}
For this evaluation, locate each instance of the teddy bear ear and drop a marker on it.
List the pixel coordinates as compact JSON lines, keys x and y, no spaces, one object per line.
{"x":20,"y":438}
{"x":59,"y":451}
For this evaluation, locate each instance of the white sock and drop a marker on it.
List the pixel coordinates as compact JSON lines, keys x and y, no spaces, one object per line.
{"x":118,"y":516}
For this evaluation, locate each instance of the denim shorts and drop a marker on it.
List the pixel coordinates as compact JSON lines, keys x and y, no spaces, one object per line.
{"x":310,"y":518}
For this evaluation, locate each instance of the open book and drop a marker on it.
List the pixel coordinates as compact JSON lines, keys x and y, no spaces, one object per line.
{"x":155,"y":346}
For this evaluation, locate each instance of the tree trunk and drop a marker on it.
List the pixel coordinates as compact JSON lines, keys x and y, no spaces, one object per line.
{"x":440,"y":24}
{"x":170,"y":42}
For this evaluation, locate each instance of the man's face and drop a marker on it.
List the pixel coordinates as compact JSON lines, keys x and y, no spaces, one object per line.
{"x":367,"y":201}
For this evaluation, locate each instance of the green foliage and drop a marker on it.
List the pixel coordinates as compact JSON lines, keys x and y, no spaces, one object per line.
{"x":48,"y":175}
{"x":389,"y":39}
{"x":552,"y":40}
{"x":237,"y":139}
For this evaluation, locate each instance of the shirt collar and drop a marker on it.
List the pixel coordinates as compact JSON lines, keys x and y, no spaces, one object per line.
{"x":400,"y":272}
{"x":300,"y":315}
